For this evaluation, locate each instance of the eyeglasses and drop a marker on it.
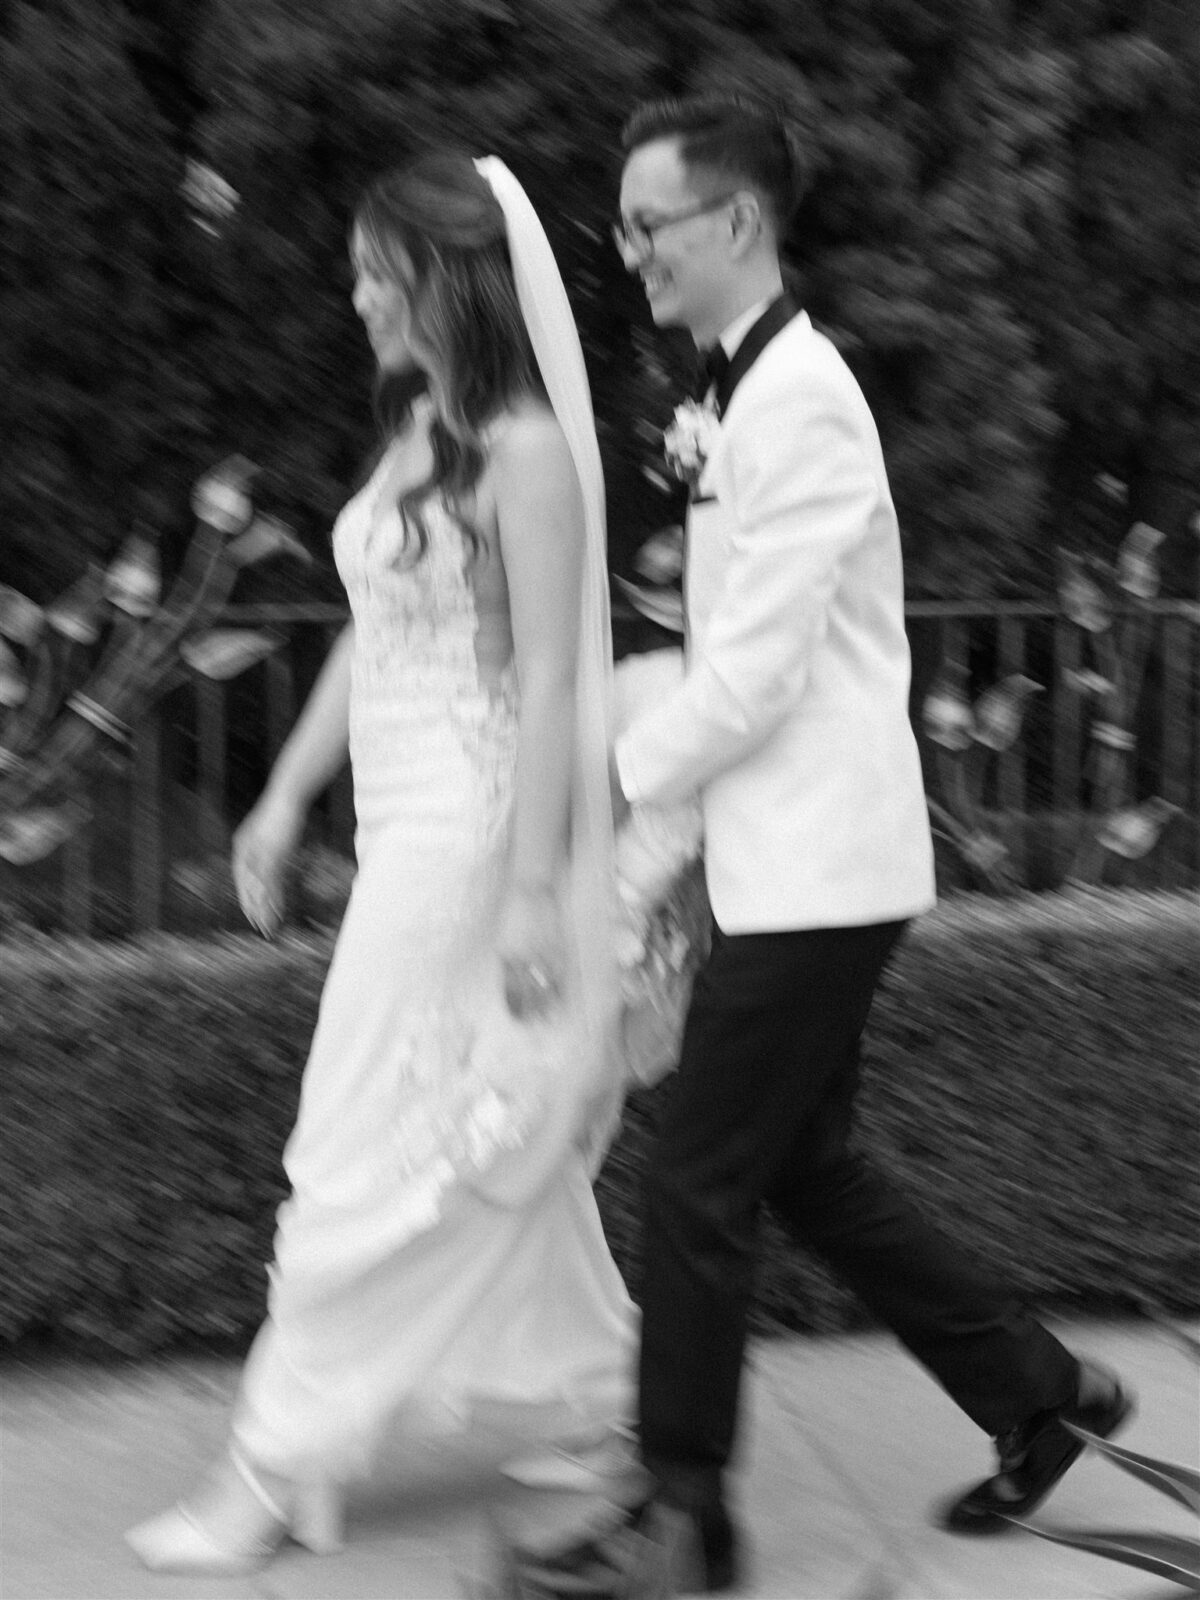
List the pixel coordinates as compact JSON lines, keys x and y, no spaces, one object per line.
{"x":639,"y":237}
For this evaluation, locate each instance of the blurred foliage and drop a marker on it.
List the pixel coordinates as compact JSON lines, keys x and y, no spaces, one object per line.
{"x":1001,"y":233}
{"x":1029,"y":1078}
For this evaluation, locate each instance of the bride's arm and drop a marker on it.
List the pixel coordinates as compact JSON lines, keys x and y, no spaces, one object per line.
{"x":316,"y":749}
{"x":539,"y":515}
{"x":312,"y":756}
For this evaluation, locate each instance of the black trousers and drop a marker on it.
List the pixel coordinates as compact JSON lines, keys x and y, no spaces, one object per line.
{"x":761,"y":1113}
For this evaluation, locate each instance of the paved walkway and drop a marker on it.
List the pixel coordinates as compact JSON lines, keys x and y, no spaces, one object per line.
{"x":846,"y":1445}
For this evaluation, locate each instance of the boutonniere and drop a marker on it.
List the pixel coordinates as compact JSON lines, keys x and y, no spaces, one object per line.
{"x":689,"y":439}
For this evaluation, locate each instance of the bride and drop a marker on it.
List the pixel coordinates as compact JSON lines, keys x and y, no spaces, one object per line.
{"x":439,"y":1264}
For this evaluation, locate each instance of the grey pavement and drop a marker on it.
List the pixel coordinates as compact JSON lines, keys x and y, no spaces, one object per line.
{"x":846,"y":1446}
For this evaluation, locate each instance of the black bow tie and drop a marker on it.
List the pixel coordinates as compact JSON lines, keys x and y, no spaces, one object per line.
{"x":713,"y":366}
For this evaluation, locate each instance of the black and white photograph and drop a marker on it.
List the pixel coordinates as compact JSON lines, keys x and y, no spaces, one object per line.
{"x":599,"y":799}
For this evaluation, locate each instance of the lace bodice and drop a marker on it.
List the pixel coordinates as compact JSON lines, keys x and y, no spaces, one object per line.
{"x":421,"y":636}
{"x":410,"y":612}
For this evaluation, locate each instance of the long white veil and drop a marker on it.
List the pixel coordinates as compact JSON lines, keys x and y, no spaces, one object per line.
{"x":591,"y":896}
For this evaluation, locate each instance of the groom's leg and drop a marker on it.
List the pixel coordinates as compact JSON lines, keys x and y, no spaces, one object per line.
{"x":774,"y":1020}
{"x":992,"y":1357}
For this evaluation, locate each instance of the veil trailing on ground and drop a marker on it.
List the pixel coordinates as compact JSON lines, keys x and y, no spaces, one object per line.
{"x":555,"y":340}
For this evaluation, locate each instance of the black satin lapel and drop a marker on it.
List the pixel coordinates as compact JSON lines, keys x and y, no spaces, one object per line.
{"x":773,"y":320}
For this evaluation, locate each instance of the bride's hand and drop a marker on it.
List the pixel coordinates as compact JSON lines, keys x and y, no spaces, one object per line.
{"x":262,"y":849}
{"x":530,"y":945}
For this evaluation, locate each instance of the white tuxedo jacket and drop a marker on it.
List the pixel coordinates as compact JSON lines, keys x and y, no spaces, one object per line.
{"x":791,"y":720}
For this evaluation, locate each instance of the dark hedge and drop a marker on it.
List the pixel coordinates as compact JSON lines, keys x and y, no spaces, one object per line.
{"x":1030,"y":1077}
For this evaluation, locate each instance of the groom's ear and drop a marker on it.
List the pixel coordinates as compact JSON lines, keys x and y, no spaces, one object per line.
{"x":745,"y":221}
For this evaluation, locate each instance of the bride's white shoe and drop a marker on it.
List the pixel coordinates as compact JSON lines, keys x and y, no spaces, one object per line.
{"x":241,"y":1535}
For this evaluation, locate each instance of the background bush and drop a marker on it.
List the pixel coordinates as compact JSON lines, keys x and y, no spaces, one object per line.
{"x":952,"y":151}
{"x":1030,"y":1078}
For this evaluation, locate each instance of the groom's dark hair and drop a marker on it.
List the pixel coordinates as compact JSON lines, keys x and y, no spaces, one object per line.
{"x":729,"y":137}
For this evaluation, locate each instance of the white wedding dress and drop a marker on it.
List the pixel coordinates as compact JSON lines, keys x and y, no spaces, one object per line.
{"x":440,"y":1266}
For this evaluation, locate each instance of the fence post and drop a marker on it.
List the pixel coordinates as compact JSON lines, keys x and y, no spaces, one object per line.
{"x":77,"y":881}
{"x":1066,"y":774}
{"x":145,"y":814}
{"x":210,"y":740}
{"x":1180,"y":846}
{"x":1011,"y":782}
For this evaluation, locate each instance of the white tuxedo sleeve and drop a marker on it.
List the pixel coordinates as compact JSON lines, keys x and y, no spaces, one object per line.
{"x":803,"y":492}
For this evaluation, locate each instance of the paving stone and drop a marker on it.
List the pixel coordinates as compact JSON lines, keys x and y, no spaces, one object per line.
{"x":846,"y":1445}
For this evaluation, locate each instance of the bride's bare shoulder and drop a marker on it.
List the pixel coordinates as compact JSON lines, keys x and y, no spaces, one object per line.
{"x":527,"y":455}
{"x":531,"y":473}
{"x":528,"y":436}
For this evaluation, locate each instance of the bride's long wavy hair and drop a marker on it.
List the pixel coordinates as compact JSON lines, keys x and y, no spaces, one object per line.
{"x":436,"y":226}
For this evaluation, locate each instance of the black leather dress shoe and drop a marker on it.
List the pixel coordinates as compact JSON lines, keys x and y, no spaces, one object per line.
{"x":1034,"y":1456}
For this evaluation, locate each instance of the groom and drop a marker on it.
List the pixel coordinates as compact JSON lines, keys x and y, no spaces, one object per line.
{"x":792,"y":724}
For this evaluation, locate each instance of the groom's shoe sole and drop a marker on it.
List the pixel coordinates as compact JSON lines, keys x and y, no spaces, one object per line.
{"x":1033,"y":1459}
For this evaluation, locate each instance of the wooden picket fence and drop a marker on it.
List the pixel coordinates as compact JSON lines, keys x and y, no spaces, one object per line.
{"x":198,"y":761}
